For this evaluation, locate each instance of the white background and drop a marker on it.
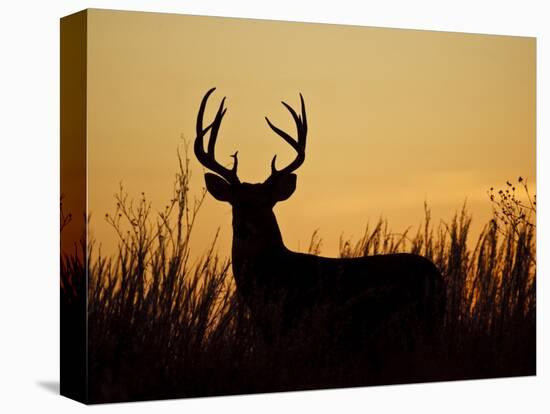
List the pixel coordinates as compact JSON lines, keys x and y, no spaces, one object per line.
{"x":29,"y":201}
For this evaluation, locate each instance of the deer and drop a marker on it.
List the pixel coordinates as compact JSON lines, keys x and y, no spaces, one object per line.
{"x":358,"y":293}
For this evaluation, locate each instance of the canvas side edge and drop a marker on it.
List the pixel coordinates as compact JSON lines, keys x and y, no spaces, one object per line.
{"x":73,"y":184}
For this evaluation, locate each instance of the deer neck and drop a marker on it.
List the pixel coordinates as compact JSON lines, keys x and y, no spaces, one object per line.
{"x":256,"y":241}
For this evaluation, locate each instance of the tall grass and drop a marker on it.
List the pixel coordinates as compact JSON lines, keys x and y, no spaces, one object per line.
{"x":162,"y":326}
{"x":490,"y":319}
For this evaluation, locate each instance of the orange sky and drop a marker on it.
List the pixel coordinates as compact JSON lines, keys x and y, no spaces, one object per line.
{"x":396,"y":117}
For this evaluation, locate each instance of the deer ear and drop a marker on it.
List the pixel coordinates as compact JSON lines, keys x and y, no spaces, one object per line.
{"x":218,"y":187}
{"x":283,"y":187}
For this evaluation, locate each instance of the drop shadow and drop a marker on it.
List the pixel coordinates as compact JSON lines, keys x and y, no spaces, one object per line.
{"x":51,"y":386}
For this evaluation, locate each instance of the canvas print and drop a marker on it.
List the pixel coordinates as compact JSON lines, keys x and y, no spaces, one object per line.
{"x":255,"y":206}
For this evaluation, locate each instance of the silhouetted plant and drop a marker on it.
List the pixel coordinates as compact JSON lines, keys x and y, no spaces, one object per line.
{"x":161,"y":325}
{"x":491,"y":289}
{"x":509,"y":209}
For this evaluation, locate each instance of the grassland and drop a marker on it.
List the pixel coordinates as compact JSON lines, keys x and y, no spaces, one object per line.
{"x":161,"y":326}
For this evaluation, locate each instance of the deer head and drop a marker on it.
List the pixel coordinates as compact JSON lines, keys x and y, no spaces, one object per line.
{"x":252,"y":204}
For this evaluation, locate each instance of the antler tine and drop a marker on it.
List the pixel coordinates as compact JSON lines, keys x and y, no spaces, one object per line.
{"x":200,"y":115}
{"x":215,"y":128}
{"x":283,"y":134}
{"x":208,"y":158}
{"x":304,"y":117}
{"x":299,"y":145}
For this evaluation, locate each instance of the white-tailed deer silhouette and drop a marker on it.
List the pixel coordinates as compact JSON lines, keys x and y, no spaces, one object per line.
{"x":364,"y":292}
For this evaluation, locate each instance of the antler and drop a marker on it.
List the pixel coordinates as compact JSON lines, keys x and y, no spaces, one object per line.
{"x":207,"y":158}
{"x":299,"y":145}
